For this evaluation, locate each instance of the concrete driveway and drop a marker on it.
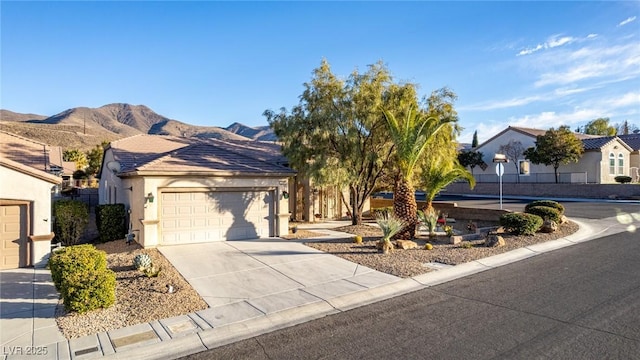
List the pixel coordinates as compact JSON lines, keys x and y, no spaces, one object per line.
{"x":264,"y":276}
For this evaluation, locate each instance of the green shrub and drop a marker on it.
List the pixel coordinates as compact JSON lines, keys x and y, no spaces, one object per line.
{"x":81,"y":276}
{"x":521,"y":223}
{"x":110,"y":220}
{"x":71,"y":219}
{"x":622,"y":179}
{"x":546,"y":213}
{"x":548,"y":203}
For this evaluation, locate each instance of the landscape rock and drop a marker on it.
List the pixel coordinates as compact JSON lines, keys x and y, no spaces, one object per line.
{"x":457,"y":239}
{"x":494,"y":241}
{"x":563,"y":219}
{"x":549,"y":226}
{"x":406,"y":244}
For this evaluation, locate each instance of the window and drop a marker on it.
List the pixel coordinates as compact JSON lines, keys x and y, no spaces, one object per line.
{"x":612,"y":164}
{"x":620,"y":164}
{"x":524,"y":167}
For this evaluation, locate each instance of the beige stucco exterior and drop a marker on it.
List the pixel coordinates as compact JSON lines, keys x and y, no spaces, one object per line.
{"x":593,"y":166}
{"x":32,"y":187}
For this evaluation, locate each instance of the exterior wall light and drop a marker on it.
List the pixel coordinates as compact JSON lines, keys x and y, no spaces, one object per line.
{"x":285,"y":194}
{"x":149,"y":198}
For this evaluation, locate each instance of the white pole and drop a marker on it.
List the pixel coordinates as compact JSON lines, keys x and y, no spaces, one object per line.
{"x":500,"y":189}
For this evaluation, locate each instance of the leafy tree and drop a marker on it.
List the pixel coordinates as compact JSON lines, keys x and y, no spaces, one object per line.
{"x":411,"y":135}
{"x":76,"y":156}
{"x":94,"y":159}
{"x":599,"y":126}
{"x":337,"y":134}
{"x":513,"y":150}
{"x":474,"y":142}
{"x":470,"y":158}
{"x":554,"y":148}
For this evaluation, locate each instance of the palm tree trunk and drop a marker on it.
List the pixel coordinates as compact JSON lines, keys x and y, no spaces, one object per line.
{"x":405,"y":208}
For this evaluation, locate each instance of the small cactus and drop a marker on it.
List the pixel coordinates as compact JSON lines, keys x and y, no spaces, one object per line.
{"x":428,"y":246}
{"x":357,"y":239}
{"x":142,"y":261}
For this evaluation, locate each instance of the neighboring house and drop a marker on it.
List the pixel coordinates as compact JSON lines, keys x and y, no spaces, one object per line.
{"x":189,"y":190}
{"x":604,"y":158}
{"x":28,"y":177}
{"x":633,"y":140}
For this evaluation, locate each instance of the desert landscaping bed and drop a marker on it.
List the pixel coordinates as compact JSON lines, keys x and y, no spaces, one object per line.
{"x":408,"y":263}
{"x":139,"y":298}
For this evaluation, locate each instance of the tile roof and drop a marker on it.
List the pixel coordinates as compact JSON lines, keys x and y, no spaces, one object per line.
{"x":633,"y":140}
{"x":536,"y":132}
{"x":31,"y":153}
{"x":170,"y":154}
{"x":597,"y":143}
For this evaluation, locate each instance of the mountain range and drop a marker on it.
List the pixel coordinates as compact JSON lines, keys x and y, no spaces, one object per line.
{"x":83,"y":128}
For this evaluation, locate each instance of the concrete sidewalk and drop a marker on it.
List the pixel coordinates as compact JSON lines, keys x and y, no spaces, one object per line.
{"x":290,"y":284}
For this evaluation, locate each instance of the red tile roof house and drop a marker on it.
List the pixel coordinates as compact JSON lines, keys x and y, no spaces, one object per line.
{"x":27,"y":182}
{"x":188,"y":190}
{"x":604,"y":158}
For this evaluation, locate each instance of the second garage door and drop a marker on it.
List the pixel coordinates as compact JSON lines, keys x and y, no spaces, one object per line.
{"x":192,"y":217}
{"x":13,"y":236}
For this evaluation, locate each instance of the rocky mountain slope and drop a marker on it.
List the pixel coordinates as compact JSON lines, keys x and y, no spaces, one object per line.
{"x":83,"y":128}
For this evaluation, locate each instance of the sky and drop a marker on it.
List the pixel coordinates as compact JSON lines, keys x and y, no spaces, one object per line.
{"x":534,"y":64}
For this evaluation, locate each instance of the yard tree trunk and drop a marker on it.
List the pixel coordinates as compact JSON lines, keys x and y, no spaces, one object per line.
{"x":405,"y":208}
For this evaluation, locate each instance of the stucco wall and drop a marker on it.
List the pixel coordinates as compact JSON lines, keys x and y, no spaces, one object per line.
{"x":18,"y":186}
{"x":587,"y":191}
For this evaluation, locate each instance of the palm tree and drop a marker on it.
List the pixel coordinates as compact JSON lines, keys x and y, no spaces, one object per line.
{"x":410,"y":135}
{"x":438,"y":173}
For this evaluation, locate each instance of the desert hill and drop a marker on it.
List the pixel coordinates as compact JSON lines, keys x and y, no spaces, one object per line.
{"x":83,"y":128}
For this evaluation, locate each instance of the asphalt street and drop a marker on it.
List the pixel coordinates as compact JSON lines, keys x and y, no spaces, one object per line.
{"x":579,"y":302}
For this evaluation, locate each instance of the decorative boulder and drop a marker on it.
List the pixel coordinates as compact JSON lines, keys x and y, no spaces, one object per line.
{"x":563,"y":219}
{"x":456,"y":239}
{"x":494,"y":241}
{"x":549,"y":226}
{"x":406,"y":244}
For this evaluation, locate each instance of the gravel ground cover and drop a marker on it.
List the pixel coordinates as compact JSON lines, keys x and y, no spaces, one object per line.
{"x":139,"y":298}
{"x":408,"y":263}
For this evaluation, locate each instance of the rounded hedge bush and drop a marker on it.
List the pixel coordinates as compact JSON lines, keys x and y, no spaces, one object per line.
{"x":548,"y":203}
{"x":81,"y":276}
{"x":546,"y":213}
{"x":623,"y":179}
{"x":521,"y":223}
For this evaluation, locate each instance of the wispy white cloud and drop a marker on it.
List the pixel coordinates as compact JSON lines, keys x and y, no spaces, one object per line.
{"x":552,"y":42}
{"x":605,"y":63}
{"x":501,"y":104}
{"x":526,"y":100}
{"x":628,"y":99}
{"x":627,"y":21}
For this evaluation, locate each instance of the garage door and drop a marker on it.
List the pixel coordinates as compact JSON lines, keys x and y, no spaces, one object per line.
{"x":215,"y":216}
{"x":13,"y":235}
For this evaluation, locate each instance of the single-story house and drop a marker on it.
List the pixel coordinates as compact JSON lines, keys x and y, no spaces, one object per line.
{"x":188,"y":190}
{"x":633,"y":140}
{"x":604,"y":158}
{"x":28,"y":177}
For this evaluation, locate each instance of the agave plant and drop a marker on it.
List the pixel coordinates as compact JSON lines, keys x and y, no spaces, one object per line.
{"x":390,"y":225}
{"x":429,"y":217}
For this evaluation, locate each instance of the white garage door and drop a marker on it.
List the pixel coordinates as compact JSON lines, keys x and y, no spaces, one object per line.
{"x":193,"y":217}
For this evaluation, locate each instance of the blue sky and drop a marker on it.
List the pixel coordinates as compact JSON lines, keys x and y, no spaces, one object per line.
{"x":533,"y":64}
